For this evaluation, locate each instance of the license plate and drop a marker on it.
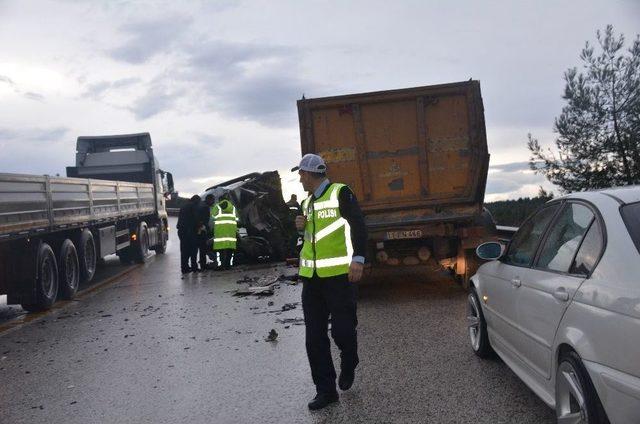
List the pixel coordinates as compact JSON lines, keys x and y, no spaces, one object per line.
{"x":409,"y":234}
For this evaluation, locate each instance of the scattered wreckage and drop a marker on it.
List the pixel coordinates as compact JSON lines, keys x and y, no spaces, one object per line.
{"x":267,"y":230}
{"x":265,"y":285}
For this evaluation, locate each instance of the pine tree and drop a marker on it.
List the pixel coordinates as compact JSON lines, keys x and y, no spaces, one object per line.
{"x":598,"y":143}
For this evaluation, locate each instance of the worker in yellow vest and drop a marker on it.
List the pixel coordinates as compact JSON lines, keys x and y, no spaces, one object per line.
{"x":225,"y":225}
{"x":331,"y":262}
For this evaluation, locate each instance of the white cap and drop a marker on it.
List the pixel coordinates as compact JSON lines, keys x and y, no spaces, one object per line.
{"x":311,"y":163}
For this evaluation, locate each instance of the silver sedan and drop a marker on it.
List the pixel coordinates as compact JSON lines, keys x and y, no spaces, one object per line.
{"x":560,"y":304}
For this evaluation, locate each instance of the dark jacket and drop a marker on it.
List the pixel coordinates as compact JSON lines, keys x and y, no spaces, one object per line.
{"x":203,"y":213}
{"x":187,"y":222}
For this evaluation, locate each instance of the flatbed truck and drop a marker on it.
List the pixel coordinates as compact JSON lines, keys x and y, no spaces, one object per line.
{"x":54,"y":230}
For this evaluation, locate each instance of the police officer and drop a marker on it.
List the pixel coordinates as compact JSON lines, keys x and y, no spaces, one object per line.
{"x":331,"y":261}
{"x":225,"y":226}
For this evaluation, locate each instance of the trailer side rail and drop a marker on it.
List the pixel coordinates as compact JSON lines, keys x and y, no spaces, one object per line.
{"x":31,"y":204}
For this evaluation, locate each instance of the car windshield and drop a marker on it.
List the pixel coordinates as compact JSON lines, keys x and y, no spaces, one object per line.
{"x":631,"y":217}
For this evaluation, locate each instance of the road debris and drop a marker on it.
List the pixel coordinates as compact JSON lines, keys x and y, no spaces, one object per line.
{"x":258,"y":291}
{"x":289,"y":306}
{"x":294,"y":321}
{"x":272,"y":336}
{"x":259,"y":286}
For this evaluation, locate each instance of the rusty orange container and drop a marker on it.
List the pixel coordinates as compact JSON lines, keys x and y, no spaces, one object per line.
{"x":416,"y":159}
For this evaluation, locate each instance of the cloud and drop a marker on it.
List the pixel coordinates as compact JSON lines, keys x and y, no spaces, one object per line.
{"x":508,"y":179}
{"x":257,"y":82}
{"x":268,"y":99}
{"x":208,"y":141}
{"x":511,"y":167}
{"x":160,"y":97}
{"x":149,"y":38}
{"x":33,"y":96}
{"x":232,"y":59}
{"x":36,"y":150}
{"x":98,"y":90}
{"x":27,"y":94}
{"x":34,"y":135}
{"x":7,"y":80}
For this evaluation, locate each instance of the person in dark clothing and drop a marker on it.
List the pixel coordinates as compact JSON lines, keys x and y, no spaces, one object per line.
{"x":293,"y":204}
{"x":204,"y":229}
{"x":331,"y":262}
{"x":187,"y":226}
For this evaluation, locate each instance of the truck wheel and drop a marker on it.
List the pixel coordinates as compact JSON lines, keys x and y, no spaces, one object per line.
{"x":69,"y":266}
{"x":141,"y":246}
{"x":87,"y":256}
{"x":161,"y":247}
{"x":46,"y":284}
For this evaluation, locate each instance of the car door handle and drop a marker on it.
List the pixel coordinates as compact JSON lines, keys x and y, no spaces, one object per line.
{"x":516,"y":282}
{"x":561,"y":294}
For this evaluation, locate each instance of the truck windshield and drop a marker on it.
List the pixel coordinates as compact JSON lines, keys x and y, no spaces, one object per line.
{"x":631,"y":217}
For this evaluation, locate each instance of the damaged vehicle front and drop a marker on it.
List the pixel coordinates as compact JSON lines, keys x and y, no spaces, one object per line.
{"x":266,"y":230}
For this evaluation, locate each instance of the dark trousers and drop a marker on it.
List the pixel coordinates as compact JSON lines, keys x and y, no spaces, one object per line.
{"x":321,"y":298}
{"x":224,"y":258}
{"x":188,"y":252}
{"x":202,"y":249}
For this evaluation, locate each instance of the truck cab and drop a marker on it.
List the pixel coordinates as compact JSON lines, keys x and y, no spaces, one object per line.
{"x":127,"y":157}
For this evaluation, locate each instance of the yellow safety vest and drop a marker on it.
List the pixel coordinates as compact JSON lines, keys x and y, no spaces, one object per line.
{"x":327,"y":247}
{"x":225,"y":224}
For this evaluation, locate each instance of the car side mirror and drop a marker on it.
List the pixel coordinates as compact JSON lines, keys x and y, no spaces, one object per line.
{"x":490,"y":251}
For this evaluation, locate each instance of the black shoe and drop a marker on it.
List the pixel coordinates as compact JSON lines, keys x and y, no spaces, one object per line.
{"x":323,"y":399}
{"x":345,"y":381}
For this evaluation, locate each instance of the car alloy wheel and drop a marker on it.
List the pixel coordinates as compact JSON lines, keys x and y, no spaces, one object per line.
{"x":477,"y":326}
{"x":571,"y":406}
{"x":473,"y":321}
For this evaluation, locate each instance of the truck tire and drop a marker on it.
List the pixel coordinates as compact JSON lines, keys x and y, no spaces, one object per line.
{"x":140,"y":247}
{"x":87,"y":256}
{"x":46,"y":283}
{"x":69,"y":270}
{"x":161,"y":247}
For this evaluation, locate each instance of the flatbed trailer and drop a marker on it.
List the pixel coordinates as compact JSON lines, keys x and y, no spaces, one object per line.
{"x":53,"y":230}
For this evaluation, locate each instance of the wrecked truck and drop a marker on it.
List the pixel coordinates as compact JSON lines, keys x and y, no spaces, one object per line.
{"x":417,"y":160}
{"x":267,"y":227}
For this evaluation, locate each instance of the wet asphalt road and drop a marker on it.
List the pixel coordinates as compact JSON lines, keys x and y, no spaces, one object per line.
{"x":154,"y":348}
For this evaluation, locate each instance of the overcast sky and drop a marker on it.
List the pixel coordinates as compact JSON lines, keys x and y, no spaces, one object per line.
{"x":215,"y":82}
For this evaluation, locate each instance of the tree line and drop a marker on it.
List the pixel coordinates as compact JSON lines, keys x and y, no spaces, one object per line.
{"x":512,"y":213}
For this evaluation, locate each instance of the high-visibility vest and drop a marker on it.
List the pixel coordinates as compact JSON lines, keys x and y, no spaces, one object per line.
{"x":225,"y":224}
{"x":327,"y":247}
